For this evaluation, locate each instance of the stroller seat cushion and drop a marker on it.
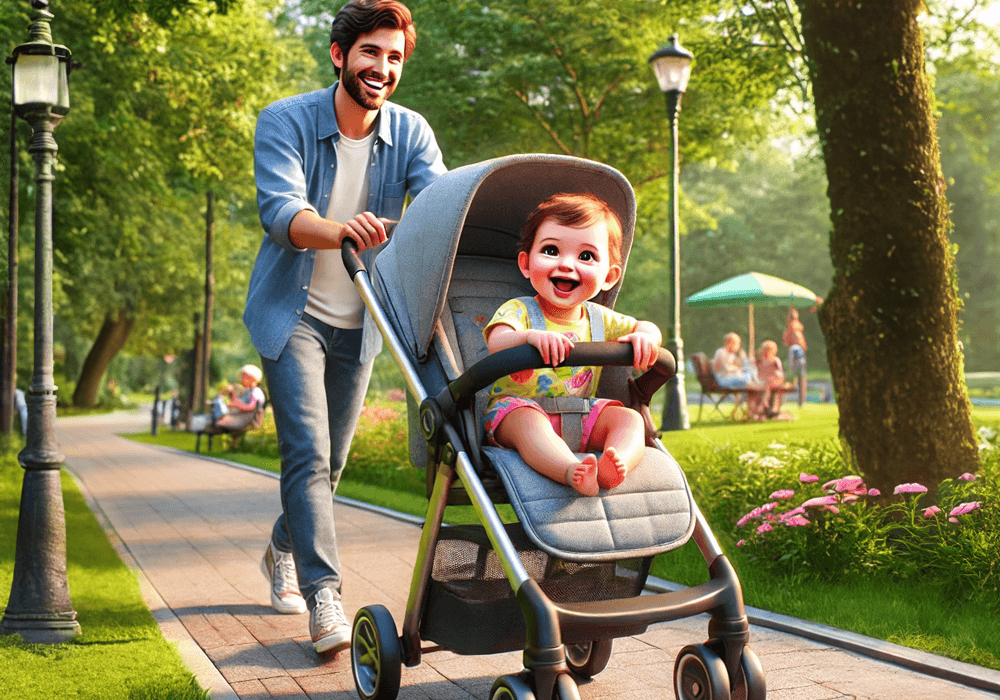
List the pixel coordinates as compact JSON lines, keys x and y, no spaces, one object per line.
{"x":651,"y":512}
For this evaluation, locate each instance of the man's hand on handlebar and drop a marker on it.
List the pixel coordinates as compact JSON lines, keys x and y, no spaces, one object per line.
{"x":366,"y":230}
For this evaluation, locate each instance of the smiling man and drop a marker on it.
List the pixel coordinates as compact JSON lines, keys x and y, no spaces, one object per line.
{"x":330,"y":165}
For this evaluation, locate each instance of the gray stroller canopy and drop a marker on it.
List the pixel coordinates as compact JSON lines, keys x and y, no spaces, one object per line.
{"x":479,"y":210}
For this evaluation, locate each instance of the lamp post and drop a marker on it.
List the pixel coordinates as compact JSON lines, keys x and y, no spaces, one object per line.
{"x":672,"y":65}
{"x":39,"y":608}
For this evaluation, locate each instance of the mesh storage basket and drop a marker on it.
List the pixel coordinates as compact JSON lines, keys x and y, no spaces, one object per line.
{"x":471,"y":607}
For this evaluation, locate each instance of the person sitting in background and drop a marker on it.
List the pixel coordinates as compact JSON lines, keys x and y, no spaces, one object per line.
{"x":243,"y":406}
{"x":733,"y":370}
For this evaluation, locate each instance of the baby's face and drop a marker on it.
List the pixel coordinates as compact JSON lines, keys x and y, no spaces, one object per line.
{"x":568,"y":266}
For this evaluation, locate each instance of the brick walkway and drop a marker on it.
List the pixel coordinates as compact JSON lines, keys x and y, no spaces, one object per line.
{"x":196,"y":529}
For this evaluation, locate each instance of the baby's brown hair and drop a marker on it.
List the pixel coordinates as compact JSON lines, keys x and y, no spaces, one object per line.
{"x":576,"y":211}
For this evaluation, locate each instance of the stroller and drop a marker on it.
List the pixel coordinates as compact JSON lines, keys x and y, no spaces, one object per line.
{"x":565,"y":580}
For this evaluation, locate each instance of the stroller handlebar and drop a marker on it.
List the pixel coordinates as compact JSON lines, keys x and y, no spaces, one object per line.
{"x":349,"y":253}
{"x":524,"y":357}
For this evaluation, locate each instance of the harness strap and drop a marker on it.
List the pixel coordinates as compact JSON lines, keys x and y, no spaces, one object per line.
{"x":571,"y":409}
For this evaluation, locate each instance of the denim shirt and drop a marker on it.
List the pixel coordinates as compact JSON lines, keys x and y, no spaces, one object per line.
{"x":295,"y":162}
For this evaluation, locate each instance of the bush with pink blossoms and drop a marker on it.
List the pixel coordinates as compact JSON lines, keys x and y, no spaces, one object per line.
{"x":835,"y":527}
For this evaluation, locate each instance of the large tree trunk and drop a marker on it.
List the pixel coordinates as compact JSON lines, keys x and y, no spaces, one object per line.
{"x":890,"y":318}
{"x":111,"y":339}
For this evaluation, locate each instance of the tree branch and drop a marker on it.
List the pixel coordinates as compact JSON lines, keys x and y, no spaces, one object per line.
{"x":544,"y":124}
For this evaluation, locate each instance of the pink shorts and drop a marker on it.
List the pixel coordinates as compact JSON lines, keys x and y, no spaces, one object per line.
{"x":501,"y":407}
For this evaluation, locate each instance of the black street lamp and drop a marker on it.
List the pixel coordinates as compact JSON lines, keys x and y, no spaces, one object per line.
{"x":672,"y":65}
{"x":39,"y":608}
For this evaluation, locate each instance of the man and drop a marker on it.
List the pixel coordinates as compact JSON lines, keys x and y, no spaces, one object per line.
{"x":330,"y":165}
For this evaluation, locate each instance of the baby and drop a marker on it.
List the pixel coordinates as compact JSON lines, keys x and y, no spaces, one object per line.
{"x":570,"y":250}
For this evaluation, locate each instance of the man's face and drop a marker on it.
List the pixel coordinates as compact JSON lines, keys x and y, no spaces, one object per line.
{"x":370,"y":71}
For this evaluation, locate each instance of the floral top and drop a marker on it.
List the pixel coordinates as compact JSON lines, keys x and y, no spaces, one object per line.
{"x":563,"y":381}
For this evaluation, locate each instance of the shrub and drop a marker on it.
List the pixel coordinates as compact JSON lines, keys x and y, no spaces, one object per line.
{"x":380,"y":450}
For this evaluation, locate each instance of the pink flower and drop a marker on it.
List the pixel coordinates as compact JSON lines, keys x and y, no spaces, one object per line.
{"x":909,"y":488}
{"x":782,"y":494}
{"x":766,"y":527}
{"x":807,"y":478}
{"x":796,"y":521}
{"x":851,"y":484}
{"x":874,"y":492}
{"x":967,"y":477}
{"x":833,"y":509}
{"x":931,"y":512}
{"x":792,"y":513}
{"x":741,"y":543}
{"x":820,"y":501}
{"x":756,"y":513}
{"x":953,"y":520}
{"x":963,"y":508}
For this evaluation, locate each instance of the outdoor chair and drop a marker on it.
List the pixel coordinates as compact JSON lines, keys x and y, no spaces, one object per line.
{"x":711,"y":389}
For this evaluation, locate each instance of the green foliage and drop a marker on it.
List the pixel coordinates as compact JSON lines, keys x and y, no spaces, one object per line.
{"x":969,"y":99}
{"x":161,"y":112}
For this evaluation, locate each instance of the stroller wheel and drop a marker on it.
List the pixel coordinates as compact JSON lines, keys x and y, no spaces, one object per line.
{"x":376,"y":660}
{"x":587,"y":659}
{"x":511,"y":688}
{"x":699,"y":674}
{"x":750,"y":684}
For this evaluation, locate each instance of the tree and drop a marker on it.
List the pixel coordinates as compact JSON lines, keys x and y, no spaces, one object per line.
{"x":890,"y":317}
{"x":150,"y":103}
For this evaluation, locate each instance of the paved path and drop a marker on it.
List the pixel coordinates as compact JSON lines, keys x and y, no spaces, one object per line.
{"x":197,"y":529}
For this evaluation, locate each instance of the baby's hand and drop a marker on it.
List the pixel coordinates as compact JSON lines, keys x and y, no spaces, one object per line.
{"x":645,"y":348}
{"x":553,"y":346}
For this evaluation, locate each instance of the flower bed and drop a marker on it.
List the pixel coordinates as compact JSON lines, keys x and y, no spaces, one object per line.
{"x":816,"y":525}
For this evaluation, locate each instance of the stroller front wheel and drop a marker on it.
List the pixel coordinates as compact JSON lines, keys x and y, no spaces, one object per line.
{"x":699,"y":674}
{"x":511,"y":688}
{"x":587,"y":659}
{"x":376,"y":660}
{"x":750,"y":684}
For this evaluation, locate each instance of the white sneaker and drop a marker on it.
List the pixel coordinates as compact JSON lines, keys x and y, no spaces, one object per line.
{"x":327,"y":623}
{"x":279,"y":568}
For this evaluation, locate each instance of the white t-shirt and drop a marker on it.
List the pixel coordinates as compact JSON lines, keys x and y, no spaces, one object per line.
{"x":333,"y":298}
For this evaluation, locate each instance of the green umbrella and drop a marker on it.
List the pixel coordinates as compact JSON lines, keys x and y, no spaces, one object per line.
{"x":754,"y":288}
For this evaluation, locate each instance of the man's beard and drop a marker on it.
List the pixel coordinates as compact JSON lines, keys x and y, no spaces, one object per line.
{"x":356,"y":89}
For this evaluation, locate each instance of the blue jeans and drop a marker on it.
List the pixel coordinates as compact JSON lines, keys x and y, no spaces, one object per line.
{"x":317,"y":389}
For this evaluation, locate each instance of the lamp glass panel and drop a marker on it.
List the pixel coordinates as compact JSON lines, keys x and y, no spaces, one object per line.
{"x":36,"y":79}
{"x":62,"y":101}
{"x":672,"y":72}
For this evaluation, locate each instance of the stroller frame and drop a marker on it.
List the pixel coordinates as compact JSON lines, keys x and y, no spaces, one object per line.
{"x":559,"y":637}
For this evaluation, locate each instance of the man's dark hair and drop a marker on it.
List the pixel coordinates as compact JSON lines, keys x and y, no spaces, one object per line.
{"x":364,"y":16}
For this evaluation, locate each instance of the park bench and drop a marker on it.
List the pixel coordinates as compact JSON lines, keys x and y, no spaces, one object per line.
{"x":204,"y":425}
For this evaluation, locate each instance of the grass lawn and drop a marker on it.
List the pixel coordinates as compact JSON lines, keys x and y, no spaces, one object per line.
{"x":922,"y":617}
{"x":120,"y":652}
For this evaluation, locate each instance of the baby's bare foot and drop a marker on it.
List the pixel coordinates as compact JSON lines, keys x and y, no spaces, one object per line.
{"x":611,"y":469}
{"x":583,"y":476}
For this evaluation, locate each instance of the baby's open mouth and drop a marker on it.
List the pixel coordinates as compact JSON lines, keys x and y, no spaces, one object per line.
{"x":565,"y":285}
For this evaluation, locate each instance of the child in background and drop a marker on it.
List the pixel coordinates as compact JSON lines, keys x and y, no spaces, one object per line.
{"x":770,"y":372}
{"x":570,"y":250}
